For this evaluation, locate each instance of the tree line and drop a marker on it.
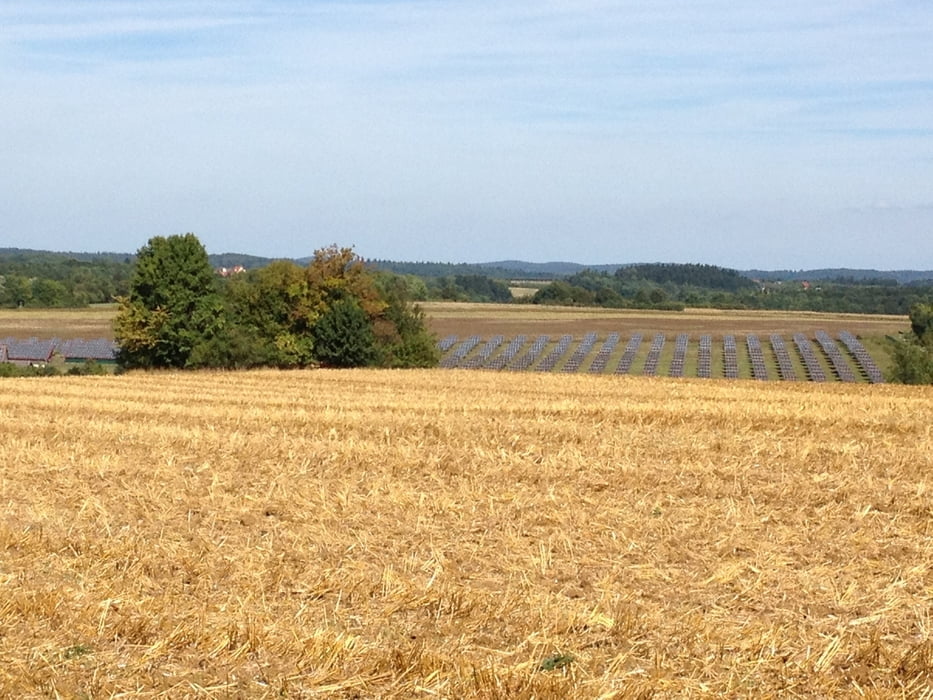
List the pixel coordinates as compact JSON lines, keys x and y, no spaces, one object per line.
{"x":41,"y":279}
{"x":178,"y":313}
{"x":675,"y":287}
{"x":44,"y":279}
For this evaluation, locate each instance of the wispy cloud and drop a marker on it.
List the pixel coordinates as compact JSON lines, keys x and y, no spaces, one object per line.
{"x":384,"y":119}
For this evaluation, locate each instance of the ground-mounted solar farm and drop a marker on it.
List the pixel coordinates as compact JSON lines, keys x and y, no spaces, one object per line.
{"x":818,"y":359}
{"x":775,"y":346}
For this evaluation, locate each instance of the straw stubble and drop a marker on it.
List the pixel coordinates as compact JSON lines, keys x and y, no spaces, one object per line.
{"x":390,"y":534}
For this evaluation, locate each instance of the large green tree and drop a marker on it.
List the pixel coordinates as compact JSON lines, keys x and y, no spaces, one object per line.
{"x":173,"y":308}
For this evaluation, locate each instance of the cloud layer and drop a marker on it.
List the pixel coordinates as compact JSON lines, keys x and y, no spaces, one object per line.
{"x":425,"y":129}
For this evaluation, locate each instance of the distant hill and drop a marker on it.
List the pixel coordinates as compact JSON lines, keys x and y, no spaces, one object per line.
{"x":501,"y":269}
{"x":233,"y":259}
{"x":437,"y":269}
{"x":554,"y":269}
{"x":23,"y":253}
{"x":840,"y":274}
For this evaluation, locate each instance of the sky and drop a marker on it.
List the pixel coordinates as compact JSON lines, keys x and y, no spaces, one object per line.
{"x":769,"y":135}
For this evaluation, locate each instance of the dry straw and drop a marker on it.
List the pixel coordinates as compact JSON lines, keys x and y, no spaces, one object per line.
{"x":446,"y":534}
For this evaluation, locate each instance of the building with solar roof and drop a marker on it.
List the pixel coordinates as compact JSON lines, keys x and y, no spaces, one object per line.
{"x":33,"y":351}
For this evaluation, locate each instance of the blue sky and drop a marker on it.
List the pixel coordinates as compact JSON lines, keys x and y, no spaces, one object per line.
{"x":766,"y":135}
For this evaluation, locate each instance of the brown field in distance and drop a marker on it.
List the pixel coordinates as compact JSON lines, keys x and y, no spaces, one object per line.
{"x":463,"y":534}
{"x":88,"y":323}
{"x":465,"y":319}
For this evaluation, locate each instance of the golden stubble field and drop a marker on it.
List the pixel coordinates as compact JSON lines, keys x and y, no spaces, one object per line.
{"x":463,"y":534}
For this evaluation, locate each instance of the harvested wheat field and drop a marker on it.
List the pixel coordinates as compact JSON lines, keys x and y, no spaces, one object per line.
{"x":463,"y":534}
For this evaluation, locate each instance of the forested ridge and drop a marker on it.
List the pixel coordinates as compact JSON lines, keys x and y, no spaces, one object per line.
{"x":37,"y":278}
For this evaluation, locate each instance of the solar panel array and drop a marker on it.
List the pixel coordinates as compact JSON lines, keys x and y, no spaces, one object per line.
{"x":705,"y":357}
{"x":757,"y":357}
{"x":814,"y":371}
{"x":862,"y":358}
{"x":480,"y":358}
{"x":785,"y":366}
{"x":36,"y":350}
{"x":455,"y":357}
{"x":628,"y":355}
{"x":730,"y":357}
{"x":579,"y":355}
{"x":507,"y":355}
{"x":547,"y":364}
{"x":602,"y":357}
{"x":680,"y":355}
{"x":30,"y":349}
{"x":528,"y":359}
{"x":447,"y":343}
{"x":841,"y":368}
{"x":654,"y":355}
{"x":80,"y":349}
{"x":512,"y":357}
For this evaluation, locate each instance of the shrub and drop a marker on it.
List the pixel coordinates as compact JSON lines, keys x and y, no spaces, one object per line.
{"x":344,"y":337}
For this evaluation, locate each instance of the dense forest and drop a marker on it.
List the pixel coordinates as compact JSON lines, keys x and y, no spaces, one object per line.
{"x":675,"y":287}
{"x":41,"y":279}
{"x":31,"y":278}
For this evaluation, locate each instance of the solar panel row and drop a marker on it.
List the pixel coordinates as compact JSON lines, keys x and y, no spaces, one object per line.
{"x":865,"y":363}
{"x":628,"y":356}
{"x":730,"y":357}
{"x":654,"y":355}
{"x":704,"y":357}
{"x":447,"y":343}
{"x":528,"y":359}
{"x":757,"y":357}
{"x":547,"y":364}
{"x":680,"y":355}
{"x":507,"y":355}
{"x":602,"y":357}
{"x":815,"y":372}
{"x":480,"y":358}
{"x":785,"y":366}
{"x":840,"y":367}
{"x":36,"y":350}
{"x":579,"y":355}
{"x":454,"y":358}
